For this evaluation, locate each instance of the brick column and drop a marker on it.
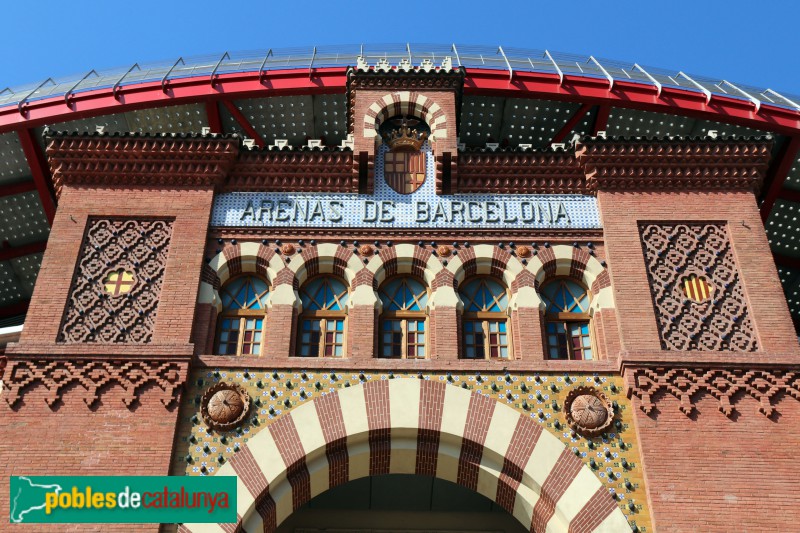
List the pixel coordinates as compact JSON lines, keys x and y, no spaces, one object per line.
{"x":205,"y":328}
{"x":282,"y":324}
{"x":526,"y":321}
{"x":362,"y":315}
{"x":445,"y":308}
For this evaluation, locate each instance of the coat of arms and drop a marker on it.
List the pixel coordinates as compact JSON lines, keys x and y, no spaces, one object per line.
{"x":404,"y":165}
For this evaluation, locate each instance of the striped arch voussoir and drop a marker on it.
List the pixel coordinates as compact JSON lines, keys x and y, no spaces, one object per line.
{"x":233,"y":260}
{"x":563,"y":260}
{"x":484,"y":259}
{"x":325,"y":258}
{"x":412,"y":426}
{"x":404,"y":259}
{"x":405,"y":103}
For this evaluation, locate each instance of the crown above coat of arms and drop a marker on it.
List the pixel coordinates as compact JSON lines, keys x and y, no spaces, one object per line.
{"x":404,"y":135}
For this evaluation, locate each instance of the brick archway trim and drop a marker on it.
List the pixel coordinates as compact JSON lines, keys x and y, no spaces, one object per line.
{"x":257,"y":258}
{"x":405,"y":103}
{"x":485,"y":259}
{"x":421,"y":427}
{"x":563,"y":260}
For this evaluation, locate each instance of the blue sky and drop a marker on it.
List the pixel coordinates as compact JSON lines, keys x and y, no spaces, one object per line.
{"x":749,"y":42}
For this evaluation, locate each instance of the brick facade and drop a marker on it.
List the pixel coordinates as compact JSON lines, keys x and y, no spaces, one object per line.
{"x":694,"y":429}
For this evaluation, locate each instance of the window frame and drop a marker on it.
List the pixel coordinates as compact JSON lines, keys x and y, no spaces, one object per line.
{"x":568,"y":319}
{"x":242,"y":315}
{"x":323,"y":316}
{"x":404,"y":316}
{"x":484,"y":317}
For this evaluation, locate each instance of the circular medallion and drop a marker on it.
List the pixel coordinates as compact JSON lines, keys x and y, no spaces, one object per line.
{"x":118,"y":282}
{"x":287,"y":249}
{"x":523,"y":251}
{"x":443,"y":250}
{"x":588,"y":411}
{"x":365,"y":250}
{"x":696,"y":288}
{"x":224,"y":406}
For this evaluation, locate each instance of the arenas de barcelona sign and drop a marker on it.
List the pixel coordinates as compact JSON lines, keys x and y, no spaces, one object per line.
{"x":420,"y":207}
{"x":353,"y":210}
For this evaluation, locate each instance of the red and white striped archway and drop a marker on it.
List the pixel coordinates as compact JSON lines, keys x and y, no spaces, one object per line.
{"x":412,"y":426}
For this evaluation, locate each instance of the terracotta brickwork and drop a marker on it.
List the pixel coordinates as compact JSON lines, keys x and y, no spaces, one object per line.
{"x":538,"y":398}
{"x":680,"y":255}
{"x":622,"y":212}
{"x":699,"y":468}
{"x":703,"y":405}
{"x":103,"y":311}
{"x":116,"y":426}
{"x":696,"y":407}
{"x":433,"y":97}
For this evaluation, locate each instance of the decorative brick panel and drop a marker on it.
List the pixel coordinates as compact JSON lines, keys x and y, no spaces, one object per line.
{"x":673,"y":253}
{"x":137,"y":246}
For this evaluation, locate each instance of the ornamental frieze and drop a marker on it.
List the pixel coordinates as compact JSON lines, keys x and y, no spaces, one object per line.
{"x":728,"y":387}
{"x":91,"y":379}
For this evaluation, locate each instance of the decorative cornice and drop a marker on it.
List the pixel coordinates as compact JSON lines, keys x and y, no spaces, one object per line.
{"x":58,"y":376}
{"x":728,"y":386}
{"x":706,"y":164}
{"x":521,"y":173}
{"x":294,"y":171}
{"x":140,"y":160}
{"x":401,"y":79}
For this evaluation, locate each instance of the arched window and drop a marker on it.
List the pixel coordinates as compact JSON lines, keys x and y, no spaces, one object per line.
{"x":567,"y":320}
{"x":241,"y":324}
{"x":484,"y":324}
{"x":402,"y":323}
{"x":322,"y":322}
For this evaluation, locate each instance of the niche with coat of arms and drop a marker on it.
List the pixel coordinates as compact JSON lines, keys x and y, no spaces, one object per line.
{"x":404,"y":163}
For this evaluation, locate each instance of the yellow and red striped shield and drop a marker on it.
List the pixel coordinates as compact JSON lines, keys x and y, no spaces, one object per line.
{"x":696,"y":288}
{"x":404,"y":171}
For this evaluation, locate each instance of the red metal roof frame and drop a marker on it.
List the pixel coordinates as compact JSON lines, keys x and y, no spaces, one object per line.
{"x":579,"y":89}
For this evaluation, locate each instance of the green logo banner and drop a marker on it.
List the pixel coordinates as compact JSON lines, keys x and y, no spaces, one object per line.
{"x":122,"y":499}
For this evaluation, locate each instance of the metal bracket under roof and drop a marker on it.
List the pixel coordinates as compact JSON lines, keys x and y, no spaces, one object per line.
{"x":22,"y":102}
{"x":119,"y":81}
{"x":214,"y":72}
{"x":456,"y":53}
{"x":770,"y":91}
{"x":8,"y":90}
{"x":649,"y":77}
{"x":604,"y":71}
{"x":553,"y":61}
{"x":261,"y":68}
{"x":311,"y":63}
{"x":510,"y":70}
{"x":69,"y":92}
{"x":164,"y":79}
{"x":756,"y":102}
{"x":703,"y":89}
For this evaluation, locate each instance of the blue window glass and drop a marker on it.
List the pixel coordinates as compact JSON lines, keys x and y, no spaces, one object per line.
{"x":568,"y":335}
{"x":324,"y":294}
